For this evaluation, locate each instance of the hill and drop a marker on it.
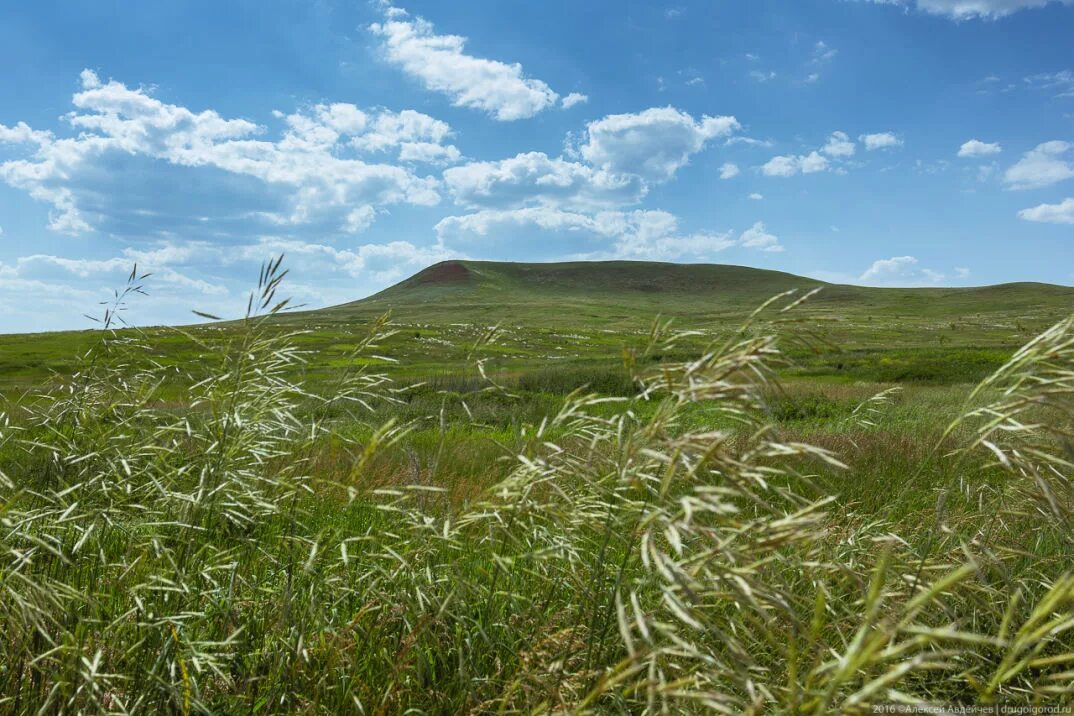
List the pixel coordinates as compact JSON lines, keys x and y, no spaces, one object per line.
{"x":587,"y":311}
{"x":628,"y":294}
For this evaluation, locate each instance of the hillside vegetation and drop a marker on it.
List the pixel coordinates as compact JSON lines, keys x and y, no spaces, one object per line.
{"x":627,"y":294}
{"x":574,"y":319}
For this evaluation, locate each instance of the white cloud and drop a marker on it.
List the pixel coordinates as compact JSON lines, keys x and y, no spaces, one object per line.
{"x":756,"y":197}
{"x":832,"y":156}
{"x":22,"y":133}
{"x":789,"y":165}
{"x":964,"y":9}
{"x":417,"y":137}
{"x":759,"y":76}
{"x":378,"y":263}
{"x":1061,"y":213}
{"x":977,"y":148}
{"x":748,"y":141}
{"x":812,"y":163}
{"x":573,"y":205}
{"x":121,"y":265}
{"x":201,"y":275}
{"x":1062,"y":82}
{"x":970,"y":9}
{"x":900,"y":271}
{"x":1040,"y":167}
{"x":880,"y":140}
{"x":118,"y":174}
{"x":823,"y":53}
{"x":441,"y":64}
{"x":886,"y":267}
{"x":534,"y":178}
{"x":757,"y":237}
{"x":574,"y":98}
{"x":729,"y":171}
{"x":839,"y":145}
{"x":962,"y":272}
{"x":781,"y":166}
{"x":155,"y":261}
{"x":652,"y":144}
{"x":640,"y":234}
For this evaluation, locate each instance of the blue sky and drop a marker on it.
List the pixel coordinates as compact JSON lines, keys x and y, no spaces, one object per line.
{"x":881,"y":142}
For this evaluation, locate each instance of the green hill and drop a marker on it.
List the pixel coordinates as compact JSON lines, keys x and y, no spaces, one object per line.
{"x":628,"y":294}
{"x":585,"y":312}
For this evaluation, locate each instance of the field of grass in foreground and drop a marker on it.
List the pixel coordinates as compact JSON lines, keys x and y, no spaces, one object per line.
{"x":693,"y":536}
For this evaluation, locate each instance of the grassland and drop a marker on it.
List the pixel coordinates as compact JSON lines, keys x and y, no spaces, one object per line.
{"x":576,"y":512}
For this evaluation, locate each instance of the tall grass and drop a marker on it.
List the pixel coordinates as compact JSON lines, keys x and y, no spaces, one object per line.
{"x":628,"y":557}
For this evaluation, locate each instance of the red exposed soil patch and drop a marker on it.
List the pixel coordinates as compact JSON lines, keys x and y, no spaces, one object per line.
{"x":443,"y":272}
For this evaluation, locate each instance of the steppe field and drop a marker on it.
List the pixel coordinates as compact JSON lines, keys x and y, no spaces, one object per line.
{"x":536,"y":357}
{"x":606,"y":487}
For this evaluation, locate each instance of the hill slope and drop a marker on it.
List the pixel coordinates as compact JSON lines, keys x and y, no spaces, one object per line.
{"x":628,"y":294}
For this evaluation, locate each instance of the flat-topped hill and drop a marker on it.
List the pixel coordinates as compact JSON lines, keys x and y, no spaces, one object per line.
{"x":625,"y":294}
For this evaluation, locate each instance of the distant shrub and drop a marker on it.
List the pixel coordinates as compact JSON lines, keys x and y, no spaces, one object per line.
{"x":808,"y":407}
{"x":562,"y":380}
{"x":936,"y":365}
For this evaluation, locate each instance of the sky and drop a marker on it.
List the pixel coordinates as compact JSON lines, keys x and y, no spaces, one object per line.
{"x":876,"y":142}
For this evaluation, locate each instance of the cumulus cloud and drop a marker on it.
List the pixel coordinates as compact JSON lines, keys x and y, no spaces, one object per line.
{"x":442,"y":65}
{"x":880,"y":140}
{"x":209,"y":277}
{"x":971,"y":9}
{"x":639,"y":234}
{"x":757,"y":237}
{"x":1041,"y":166}
{"x":789,"y":165}
{"x":120,"y":265}
{"x":839,"y":145}
{"x":575,"y":205}
{"x":534,"y":178}
{"x":375,"y":264}
{"x":833,"y":156}
{"x":1061,"y":213}
{"x":976,"y":148}
{"x":900,"y":271}
{"x":652,"y":144}
{"x":118,"y":173}
{"x":756,"y":197}
{"x":729,"y":171}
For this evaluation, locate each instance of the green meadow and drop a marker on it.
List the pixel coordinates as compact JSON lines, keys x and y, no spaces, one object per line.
{"x":613,"y":487}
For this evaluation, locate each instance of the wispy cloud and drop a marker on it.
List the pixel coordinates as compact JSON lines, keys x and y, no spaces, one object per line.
{"x":971,"y":9}
{"x":441,"y":64}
